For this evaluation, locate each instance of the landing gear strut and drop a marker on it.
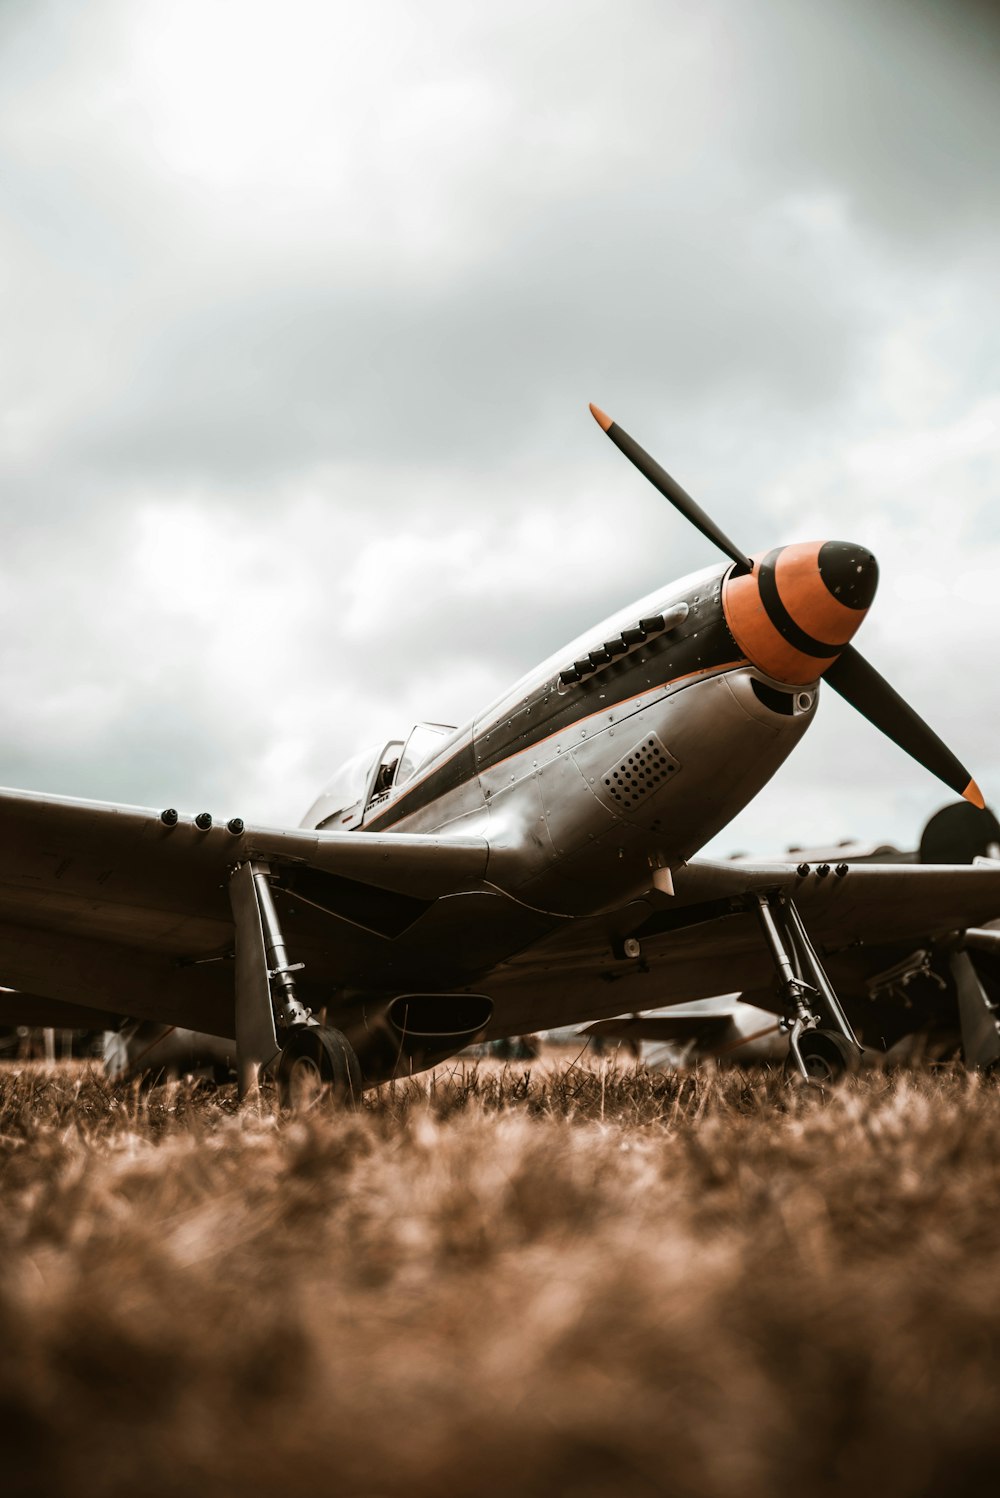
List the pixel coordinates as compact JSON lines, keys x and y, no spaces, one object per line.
{"x":272,"y":1024}
{"x":822,"y":1047}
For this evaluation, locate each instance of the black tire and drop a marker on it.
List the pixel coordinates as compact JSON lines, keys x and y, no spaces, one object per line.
{"x":828,"y":1055}
{"x":318,"y":1065}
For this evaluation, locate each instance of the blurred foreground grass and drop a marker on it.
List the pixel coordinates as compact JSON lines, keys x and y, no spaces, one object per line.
{"x":564,"y":1280}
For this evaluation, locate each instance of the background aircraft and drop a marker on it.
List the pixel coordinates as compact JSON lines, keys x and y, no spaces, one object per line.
{"x":531,"y":869}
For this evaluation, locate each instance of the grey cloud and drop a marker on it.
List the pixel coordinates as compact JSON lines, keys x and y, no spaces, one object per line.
{"x":608,"y":297}
{"x":664,"y":286}
{"x":894,"y":104}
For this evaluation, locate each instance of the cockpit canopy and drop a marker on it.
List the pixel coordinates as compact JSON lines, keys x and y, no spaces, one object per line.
{"x":371,"y":776}
{"x":424,"y":741}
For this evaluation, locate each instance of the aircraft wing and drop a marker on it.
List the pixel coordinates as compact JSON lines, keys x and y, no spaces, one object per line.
{"x":679,"y":1025}
{"x":108,"y":908}
{"x":870,"y":903}
{"x":715,"y":1027}
{"x":703,"y":940}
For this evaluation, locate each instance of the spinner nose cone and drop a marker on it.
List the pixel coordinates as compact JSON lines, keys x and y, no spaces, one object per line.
{"x":849,"y":571}
{"x":794,"y":613}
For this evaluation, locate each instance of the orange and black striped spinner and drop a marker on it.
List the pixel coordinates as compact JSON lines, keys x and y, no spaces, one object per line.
{"x":794,"y":613}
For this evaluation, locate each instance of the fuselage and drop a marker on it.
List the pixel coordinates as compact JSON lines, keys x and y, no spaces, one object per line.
{"x":619,"y":757}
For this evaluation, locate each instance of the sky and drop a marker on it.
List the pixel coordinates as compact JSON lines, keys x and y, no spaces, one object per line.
{"x":302,"y":307}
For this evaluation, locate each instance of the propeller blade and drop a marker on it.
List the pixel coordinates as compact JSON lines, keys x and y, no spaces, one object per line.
{"x":670,"y":488}
{"x":862,"y":686}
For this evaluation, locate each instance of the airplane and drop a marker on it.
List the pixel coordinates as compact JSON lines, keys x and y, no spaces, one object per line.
{"x":902,"y":999}
{"x":533,"y":868}
{"x":724,"y":1031}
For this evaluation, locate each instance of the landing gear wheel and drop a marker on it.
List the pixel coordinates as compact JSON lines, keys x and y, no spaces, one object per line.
{"x":317,"y":1065}
{"x":827,"y":1056}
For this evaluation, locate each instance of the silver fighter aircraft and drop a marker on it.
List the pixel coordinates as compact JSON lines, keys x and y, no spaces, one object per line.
{"x":531,"y":869}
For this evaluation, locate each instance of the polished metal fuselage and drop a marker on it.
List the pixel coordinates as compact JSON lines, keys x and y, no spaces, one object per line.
{"x":584,"y":790}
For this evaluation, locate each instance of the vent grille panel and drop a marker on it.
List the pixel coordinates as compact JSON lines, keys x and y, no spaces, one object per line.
{"x":646,"y":768}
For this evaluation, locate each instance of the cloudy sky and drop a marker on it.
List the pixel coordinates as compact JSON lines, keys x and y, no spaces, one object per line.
{"x":303,"y":304}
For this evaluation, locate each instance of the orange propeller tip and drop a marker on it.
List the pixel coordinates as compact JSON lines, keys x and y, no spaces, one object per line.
{"x":974,"y":794}
{"x":602,"y":421}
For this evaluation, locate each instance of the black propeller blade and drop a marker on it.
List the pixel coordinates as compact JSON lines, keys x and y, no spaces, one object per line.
{"x":670,"y":488}
{"x":850,"y":675}
{"x":862,"y":686}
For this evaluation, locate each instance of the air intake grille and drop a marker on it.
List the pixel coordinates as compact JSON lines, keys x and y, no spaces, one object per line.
{"x":644,"y":769}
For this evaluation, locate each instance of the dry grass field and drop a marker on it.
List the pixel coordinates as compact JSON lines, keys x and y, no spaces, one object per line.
{"x":573,"y":1280}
